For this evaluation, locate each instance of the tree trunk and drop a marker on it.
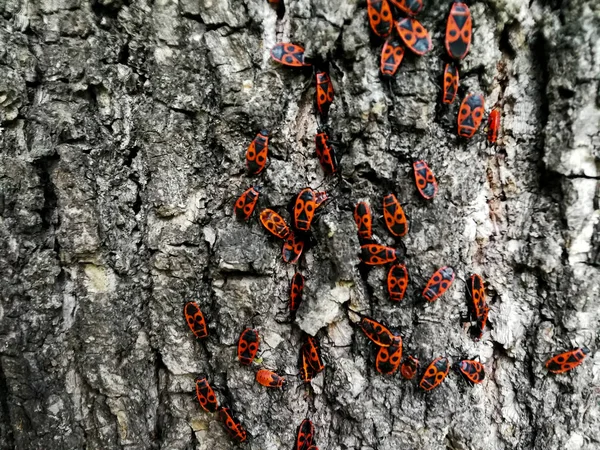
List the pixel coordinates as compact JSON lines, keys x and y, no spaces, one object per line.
{"x":124,"y":129}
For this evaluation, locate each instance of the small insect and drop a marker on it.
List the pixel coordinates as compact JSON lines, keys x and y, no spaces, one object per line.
{"x":380,"y":17}
{"x":458,"y":31}
{"x":481,"y":322}
{"x":439,"y":283}
{"x":394,"y":216}
{"x":289,"y":55}
{"x":256,"y":155}
{"x":292,"y":248}
{"x":377,"y":254}
{"x":313,"y":353}
{"x":426,"y":183}
{"x":450,"y":83}
{"x":296,"y":290}
{"x":435,"y":374}
{"x":397,"y":282}
{"x":232,"y":425}
{"x":206,"y":396}
{"x":244,"y":206}
{"x":470,"y":115}
{"x":476,"y":293}
{"x":377,"y":332}
{"x":274,"y":223}
{"x":388,"y":358}
{"x":409,"y":367}
{"x":414,"y":35}
{"x":305,"y":435}
{"x":567,"y":361}
{"x":305,"y":206}
{"x":325,"y":93}
{"x":320,"y":198}
{"x":493,"y":126}
{"x":392,"y":54}
{"x":269,"y":379}
{"x":410,"y":7}
{"x":313,"y":447}
{"x":472,"y":371}
{"x":195,"y":319}
{"x":325,"y":153}
{"x":307,"y":373}
{"x":363,"y":219}
{"x":248,"y":346}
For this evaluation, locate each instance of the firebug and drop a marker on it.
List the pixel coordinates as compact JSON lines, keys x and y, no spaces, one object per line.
{"x":426,"y":182}
{"x":296,"y":290}
{"x":325,"y":94}
{"x":274,"y":223}
{"x":472,"y":371}
{"x":414,"y":35}
{"x":305,"y":435}
{"x":206,"y":396}
{"x":377,"y":332}
{"x":493,"y":126}
{"x":392,"y":54}
{"x":377,"y":254}
{"x":380,"y":17}
{"x":289,"y":55}
{"x":394,"y":216}
{"x":364,"y":221}
{"x":256,"y":155}
{"x":397,"y":282}
{"x":195,"y":319}
{"x":450,"y":83}
{"x":470,"y":115}
{"x":458,"y":30}
{"x":248,"y":346}
{"x":410,"y":7}
{"x":409,"y":367}
{"x":325,"y":153}
{"x":436,"y":373}
{"x":292,"y":248}
{"x":439,"y":283}
{"x":268,"y":378}
{"x":388,"y":358}
{"x":245,"y":204}
{"x":567,"y":361}
{"x":232,"y":425}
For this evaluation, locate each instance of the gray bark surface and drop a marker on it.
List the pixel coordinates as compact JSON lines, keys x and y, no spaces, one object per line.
{"x":124,"y":125}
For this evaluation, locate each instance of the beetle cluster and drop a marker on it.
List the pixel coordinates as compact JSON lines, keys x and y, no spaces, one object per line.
{"x":400,"y":33}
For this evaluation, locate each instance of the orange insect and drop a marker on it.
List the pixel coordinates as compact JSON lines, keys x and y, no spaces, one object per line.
{"x":325,"y":93}
{"x":274,"y":223}
{"x":392,"y":54}
{"x":470,"y":115}
{"x":244,"y":206}
{"x":313,"y":354}
{"x":307,"y":373}
{"x":439,"y":283}
{"x":269,"y":379}
{"x":296,"y":290}
{"x":195,"y":319}
{"x":459,"y":29}
{"x":397,"y":282}
{"x":388,"y":358}
{"x":450,"y":83}
{"x":377,"y":254}
{"x":481,"y":322}
{"x":410,"y":7}
{"x":292,"y":248}
{"x":305,"y":435}
{"x":414,"y":35}
{"x":206,"y":396}
{"x":256,"y":155}
{"x":394,"y":216}
{"x":325,"y":153}
{"x":380,"y":17}
{"x":567,"y":361}
{"x":435,"y":374}
{"x":289,"y":55}
{"x":472,"y":371}
{"x":304,"y":209}
{"x":426,"y":182}
{"x":409,"y":368}
{"x":493,"y":126}
{"x":476,"y":293}
{"x":363,"y":219}
{"x":232,"y":425}
{"x":248,"y":346}
{"x":377,"y":332}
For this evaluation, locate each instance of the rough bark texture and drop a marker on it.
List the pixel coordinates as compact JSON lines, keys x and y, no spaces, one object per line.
{"x":124,"y":125}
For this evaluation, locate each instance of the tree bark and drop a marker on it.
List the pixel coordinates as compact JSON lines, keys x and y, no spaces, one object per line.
{"x":124,"y":126}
